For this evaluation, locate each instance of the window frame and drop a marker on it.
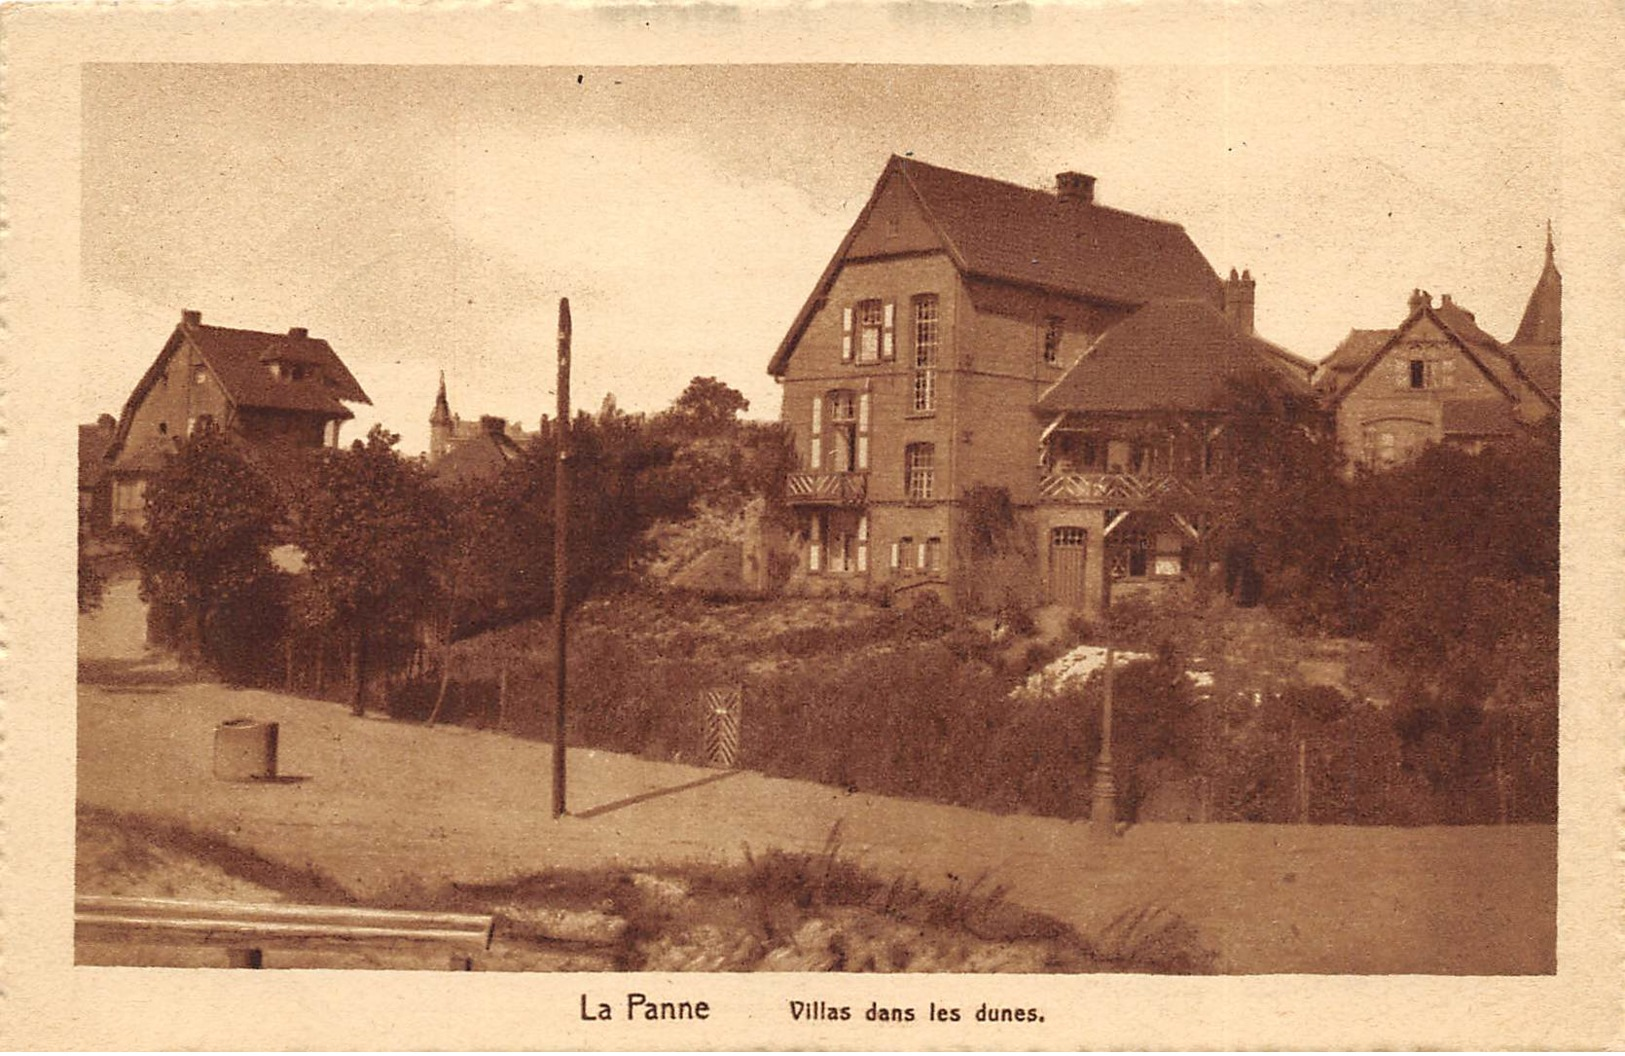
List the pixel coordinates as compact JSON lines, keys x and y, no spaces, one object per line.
{"x":862,"y":327}
{"x":919,"y":471}
{"x":927,"y":316}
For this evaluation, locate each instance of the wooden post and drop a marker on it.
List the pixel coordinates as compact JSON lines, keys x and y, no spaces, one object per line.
{"x":502,"y":696}
{"x":1303,"y":782}
{"x":1103,"y":806}
{"x":561,"y":563}
{"x":1500,"y":780}
{"x":358,"y":666}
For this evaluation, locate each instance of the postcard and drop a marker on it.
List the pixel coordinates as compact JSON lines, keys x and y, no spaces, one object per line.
{"x":856,"y":527}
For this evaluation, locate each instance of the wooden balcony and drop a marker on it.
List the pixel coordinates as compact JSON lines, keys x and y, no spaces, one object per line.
{"x":1118,"y":489}
{"x":826,"y":489}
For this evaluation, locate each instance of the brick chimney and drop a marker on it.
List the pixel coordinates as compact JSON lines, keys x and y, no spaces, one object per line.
{"x":493,"y":425}
{"x":1238,"y":300}
{"x":1075,"y":187}
{"x":298,"y":333}
{"x":190,"y":317}
{"x":1420,"y":299}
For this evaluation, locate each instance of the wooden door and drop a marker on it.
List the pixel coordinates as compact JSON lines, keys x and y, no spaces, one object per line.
{"x":1068,"y":548}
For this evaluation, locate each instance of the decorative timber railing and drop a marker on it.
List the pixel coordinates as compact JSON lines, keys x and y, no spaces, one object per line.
{"x":826,"y":489}
{"x":1116,"y":487}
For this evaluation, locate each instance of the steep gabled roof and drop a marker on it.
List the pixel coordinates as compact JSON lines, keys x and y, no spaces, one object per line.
{"x":1034,"y":238}
{"x":1543,"y":366}
{"x":239,"y":360}
{"x":1009,"y":233}
{"x":480,"y":457}
{"x":1168,"y":355}
{"x":1459,"y":325}
{"x":1350,"y":355}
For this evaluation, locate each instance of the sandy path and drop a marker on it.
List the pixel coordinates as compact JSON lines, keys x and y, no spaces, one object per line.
{"x":384,"y":805}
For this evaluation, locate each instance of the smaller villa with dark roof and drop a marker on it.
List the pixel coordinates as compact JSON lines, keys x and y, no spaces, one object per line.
{"x":272,"y":390}
{"x":1439,"y":378}
{"x":973,"y":334}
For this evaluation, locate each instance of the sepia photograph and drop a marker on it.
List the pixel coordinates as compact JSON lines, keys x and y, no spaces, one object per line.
{"x":819,"y":518}
{"x":871,"y":526}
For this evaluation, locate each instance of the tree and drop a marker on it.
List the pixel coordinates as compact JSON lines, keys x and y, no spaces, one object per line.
{"x":1282,"y":505}
{"x":374,"y":534}
{"x":211,"y":522}
{"x":708,"y":406}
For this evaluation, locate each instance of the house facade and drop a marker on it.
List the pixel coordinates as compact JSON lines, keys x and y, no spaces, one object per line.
{"x":271,"y":390}
{"x":1438,"y":378}
{"x":923,"y":366}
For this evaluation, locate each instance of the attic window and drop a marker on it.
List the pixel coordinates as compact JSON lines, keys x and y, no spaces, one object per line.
{"x":1419,"y":374}
{"x":200,"y":376}
{"x":871,"y":327}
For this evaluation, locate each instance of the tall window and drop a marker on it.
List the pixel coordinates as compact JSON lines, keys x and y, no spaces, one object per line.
{"x":1052,"y":340}
{"x":871,"y":327}
{"x":925,"y":353}
{"x":919,"y":461}
{"x":843,"y":429}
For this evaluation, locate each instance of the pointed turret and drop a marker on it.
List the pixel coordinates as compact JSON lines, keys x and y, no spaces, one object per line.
{"x":440,"y":423}
{"x":1538,"y":346}
{"x":1543,"y":318}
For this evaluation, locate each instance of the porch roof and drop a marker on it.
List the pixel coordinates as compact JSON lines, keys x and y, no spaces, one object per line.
{"x":1169,"y":355}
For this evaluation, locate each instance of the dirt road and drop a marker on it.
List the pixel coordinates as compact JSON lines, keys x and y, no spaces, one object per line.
{"x":383,"y":806}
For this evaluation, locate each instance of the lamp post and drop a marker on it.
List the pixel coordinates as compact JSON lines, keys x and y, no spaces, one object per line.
{"x":1103,"y":804}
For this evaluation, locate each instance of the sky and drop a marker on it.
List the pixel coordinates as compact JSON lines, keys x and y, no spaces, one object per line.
{"x":428,"y":219}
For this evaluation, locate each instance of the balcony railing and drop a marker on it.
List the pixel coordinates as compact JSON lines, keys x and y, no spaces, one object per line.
{"x":826,"y":489}
{"x":1125,"y":488}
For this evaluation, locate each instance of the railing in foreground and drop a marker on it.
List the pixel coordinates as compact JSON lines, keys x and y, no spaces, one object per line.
{"x":246,"y":929}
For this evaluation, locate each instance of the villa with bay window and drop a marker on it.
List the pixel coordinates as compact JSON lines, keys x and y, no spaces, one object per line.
{"x":971,"y":333}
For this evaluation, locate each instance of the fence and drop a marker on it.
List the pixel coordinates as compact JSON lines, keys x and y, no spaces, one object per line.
{"x":247,"y":930}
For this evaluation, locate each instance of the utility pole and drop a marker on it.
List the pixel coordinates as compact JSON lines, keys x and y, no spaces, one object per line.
{"x":561,"y":562}
{"x":1103,"y":807}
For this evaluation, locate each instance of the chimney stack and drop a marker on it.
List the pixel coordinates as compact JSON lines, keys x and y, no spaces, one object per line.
{"x":1420,"y":299}
{"x":1075,"y":187}
{"x":191,"y":318}
{"x":1238,"y":300}
{"x":298,"y":333}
